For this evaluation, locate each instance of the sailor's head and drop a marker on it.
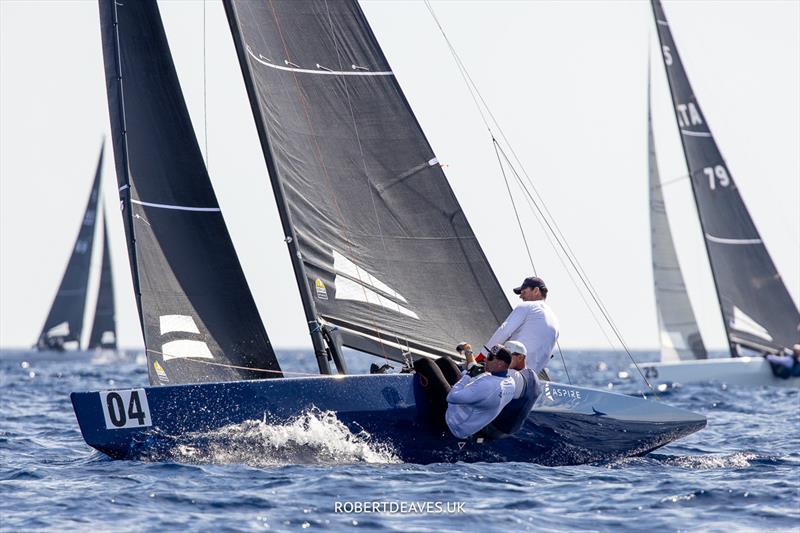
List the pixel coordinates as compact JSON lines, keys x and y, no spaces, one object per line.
{"x":796,"y":351}
{"x":532,"y":289}
{"x":498,"y":359}
{"x":518,"y":354}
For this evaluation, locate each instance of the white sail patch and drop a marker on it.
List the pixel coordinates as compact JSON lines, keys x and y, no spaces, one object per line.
{"x":364,"y":289}
{"x":347,"y":289}
{"x":745,"y":324}
{"x":59,"y":330}
{"x":185,"y":348}
{"x":343,"y":265}
{"x":184,"y":323}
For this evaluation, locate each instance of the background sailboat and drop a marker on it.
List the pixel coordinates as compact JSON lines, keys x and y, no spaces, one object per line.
{"x":64,"y":324}
{"x":339,"y":139}
{"x":104,"y":327}
{"x":758,"y":313}
{"x":677,"y":327}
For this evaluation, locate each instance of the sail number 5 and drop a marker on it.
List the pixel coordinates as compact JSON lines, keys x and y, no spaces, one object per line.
{"x":125,"y":409}
{"x":717,"y":174}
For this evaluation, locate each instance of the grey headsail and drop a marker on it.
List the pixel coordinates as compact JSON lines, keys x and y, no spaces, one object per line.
{"x":757,"y":310}
{"x":64,"y":322}
{"x":387,"y":253}
{"x":199,"y":320}
{"x":677,"y":327}
{"x":104,"y":328}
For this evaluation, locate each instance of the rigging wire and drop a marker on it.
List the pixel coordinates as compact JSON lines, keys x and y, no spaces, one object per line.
{"x":540,"y":206}
{"x":205,"y":96}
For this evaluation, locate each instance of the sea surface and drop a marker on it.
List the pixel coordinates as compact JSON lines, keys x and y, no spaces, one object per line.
{"x":741,"y":473}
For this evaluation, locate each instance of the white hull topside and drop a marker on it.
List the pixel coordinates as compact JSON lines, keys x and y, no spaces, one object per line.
{"x":751,"y":371}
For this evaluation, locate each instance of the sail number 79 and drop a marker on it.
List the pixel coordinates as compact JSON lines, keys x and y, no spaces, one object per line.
{"x":717,"y":174}
{"x":125,"y":409}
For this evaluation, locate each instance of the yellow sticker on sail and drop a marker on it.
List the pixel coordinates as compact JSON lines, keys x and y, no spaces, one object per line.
{"x":322,"y":293}
{"x":162,"y":376}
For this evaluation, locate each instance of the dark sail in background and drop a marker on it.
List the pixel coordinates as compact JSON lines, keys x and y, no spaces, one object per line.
{"x":389,"y":256}
{"x":104,"y":328}
{"x":65,"y":320}
{"x":680,"y":337}
{"x":199,"y":319}
{"x":757,"y":309}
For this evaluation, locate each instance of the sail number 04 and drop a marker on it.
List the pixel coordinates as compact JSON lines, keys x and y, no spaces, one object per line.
{"x":125,"y":409}
{"x":717,"y":174}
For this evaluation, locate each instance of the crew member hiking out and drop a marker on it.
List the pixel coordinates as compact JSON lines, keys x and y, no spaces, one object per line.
{"x":531,"y":323}
{"x":465,"y":402}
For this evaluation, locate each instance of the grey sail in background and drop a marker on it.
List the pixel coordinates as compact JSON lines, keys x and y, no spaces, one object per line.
{"x":680,"y":337}
{"x":387,"y":252}
{"x":104,"y":327}
{"x":199,"y":320}
{"x":65,"y":320}
{"x":757,"y":310}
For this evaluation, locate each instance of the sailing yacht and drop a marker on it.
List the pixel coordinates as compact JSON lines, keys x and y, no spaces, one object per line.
{"x":381,"y":250}
{"x":64,"y":324}
{"x":758,"y":313}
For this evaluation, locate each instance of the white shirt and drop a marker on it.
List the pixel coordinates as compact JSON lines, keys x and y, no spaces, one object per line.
{"x":533,"y":324}
{"x":519,"y":383}
{"x":474,"y":402}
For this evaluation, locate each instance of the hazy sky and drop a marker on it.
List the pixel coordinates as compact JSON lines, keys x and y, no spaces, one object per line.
{"x":567,"y":80}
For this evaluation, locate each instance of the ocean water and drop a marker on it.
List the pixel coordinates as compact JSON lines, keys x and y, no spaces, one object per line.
{"x":741,"y":473}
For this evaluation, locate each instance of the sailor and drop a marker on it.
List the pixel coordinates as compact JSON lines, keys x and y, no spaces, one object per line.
{"x":531,"y":323}
{"x":787,"y":365}
{"x":474,"y":402}
{"x":518,"y":356}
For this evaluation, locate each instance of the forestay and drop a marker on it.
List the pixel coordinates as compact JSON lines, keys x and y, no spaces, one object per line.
{"x":757,"y":309}
{"x":104,"y":327}
{"x":680,"y":337}
{"x":199,"y":320}
{"x":65,"y":320}
{"x":387,"y":253}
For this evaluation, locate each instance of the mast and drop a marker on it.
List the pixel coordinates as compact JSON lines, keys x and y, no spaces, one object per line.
{"x":300,"y":275}
{"x":123,"y":173}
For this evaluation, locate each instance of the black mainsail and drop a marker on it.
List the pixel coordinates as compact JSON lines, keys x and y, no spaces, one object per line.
{"x":386,"y":252}
{"x":198,"y":318}
{"x":757,"y":310}
{"x":680,"y":337}
{"x":104,"y":327}
{"x":65,"y":320}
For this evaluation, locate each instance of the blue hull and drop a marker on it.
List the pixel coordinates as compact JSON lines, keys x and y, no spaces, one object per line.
{"x":567,"y":425}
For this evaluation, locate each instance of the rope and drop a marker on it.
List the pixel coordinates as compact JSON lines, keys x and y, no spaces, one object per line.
{"x":514,"y":205}
{"x":545,"y":216}
{"x":205,"y":85}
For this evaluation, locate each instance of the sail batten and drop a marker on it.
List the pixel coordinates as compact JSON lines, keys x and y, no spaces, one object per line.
{"x":182,"y":258}
{"x":360,"y":183}
{"x":744,"y":274}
